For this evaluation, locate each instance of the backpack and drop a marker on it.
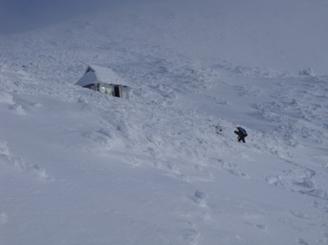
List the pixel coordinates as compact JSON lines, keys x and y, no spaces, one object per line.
{"x":242,"y":130}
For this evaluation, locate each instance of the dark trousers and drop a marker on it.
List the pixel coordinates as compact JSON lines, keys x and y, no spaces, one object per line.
{"x":242,"y":139}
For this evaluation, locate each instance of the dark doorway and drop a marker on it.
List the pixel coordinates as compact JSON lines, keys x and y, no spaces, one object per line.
{"x":117,"y":91}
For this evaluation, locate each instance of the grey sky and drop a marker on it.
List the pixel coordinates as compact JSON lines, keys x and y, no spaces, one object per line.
{"x":281,"y":34}
{"x":17,"y":15}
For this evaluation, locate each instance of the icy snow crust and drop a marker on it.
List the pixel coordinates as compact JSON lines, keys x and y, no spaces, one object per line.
{"x":79,"y":167}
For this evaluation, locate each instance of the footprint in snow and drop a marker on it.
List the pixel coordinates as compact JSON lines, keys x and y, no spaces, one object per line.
{"x":299,"y":215}
{"x":294,"y":179}
{"x":233,"y":170}
{"x":255,"y":220}
{"x":302,"y":242}
{"x":324,"y":239}
{"x":298,"y":180}
{"x":199,"y":198}
{"x":191,"y":235}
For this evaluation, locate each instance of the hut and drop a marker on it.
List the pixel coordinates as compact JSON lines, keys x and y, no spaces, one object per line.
{"x":104,"y":80}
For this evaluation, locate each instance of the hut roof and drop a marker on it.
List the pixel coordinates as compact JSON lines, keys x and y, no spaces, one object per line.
{"x":99,"y":74}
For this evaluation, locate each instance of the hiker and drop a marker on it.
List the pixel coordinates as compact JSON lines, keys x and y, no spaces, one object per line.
{"x":241,"y":133}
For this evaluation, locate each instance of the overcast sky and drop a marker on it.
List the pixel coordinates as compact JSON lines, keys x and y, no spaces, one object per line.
{"x":281,"y":34}
{"x":17,"y":15}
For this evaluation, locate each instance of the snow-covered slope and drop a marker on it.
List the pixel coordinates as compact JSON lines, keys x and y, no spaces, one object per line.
{"x":163,"y":167}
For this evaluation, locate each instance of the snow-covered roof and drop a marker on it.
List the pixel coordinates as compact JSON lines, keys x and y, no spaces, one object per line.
{"x":95,"y":73}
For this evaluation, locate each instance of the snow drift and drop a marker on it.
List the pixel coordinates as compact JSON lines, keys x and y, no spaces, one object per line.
{"x":164,"y":167}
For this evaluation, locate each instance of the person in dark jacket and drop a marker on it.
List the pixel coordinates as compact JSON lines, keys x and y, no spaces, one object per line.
{"x":241,"y":133}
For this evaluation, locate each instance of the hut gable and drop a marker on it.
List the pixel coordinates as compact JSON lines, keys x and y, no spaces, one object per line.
{"x":98,"y":74}
{"x":104,"y":80}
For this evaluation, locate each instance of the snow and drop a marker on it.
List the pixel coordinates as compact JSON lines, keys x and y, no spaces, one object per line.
{"x":164,"y":166}
{"x":100,"y":74}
